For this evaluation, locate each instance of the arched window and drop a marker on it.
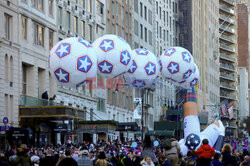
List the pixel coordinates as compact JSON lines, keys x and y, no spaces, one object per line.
{"x":6,"y":67}
{"x":11,"y":69}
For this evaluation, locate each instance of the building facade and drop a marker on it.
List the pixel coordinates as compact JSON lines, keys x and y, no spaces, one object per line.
{"x":228,"y":59}
{"x":199,"y":34}
{"x":10,"y":61}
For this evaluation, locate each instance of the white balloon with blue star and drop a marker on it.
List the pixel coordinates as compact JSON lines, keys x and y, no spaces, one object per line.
{"x":177,"y":64}
{"x":114,"y":56}
{"x":192,"y":80}
{"x":144,"y":70}
{"x":72,"y":62}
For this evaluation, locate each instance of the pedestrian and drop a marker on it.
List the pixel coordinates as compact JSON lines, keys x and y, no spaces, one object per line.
{"x":68,"y":160}
{"x":22,"y":157}
{"x":172,"y":151}
{"x":216,"y":161}
{"x":148,"y":150}
{"x":49,"y":159}
{"x":227,"y":158}
{"x":246,"y":161}
{"x":101,"y":161}
{"x":191,"y":158}
{"x":84,"y":159}
{"x":205,"y":154}
{"x":35,"y":160}
{"x":147,"y":161}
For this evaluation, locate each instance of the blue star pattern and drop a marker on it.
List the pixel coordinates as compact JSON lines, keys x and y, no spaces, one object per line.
{"x":84,"y":42}
{"x":125,"y":57}
{"x":187,"y":74}
{"x":150,"y":68}
{"x":170,"y":52}
{"x":138,"y":83}
{"x":62,"y":75}
{"x":193,"y":82}
{"x":84,"y":63}
{"x":63,"y":50}
{"x":107,"y":45}
{"x":105,"y":67}
{"x":133,"y":67}
{"x":192,"y":141}
{"x":141,"y":51}
{"x":173,"y":67}
{"x":186,"y":57}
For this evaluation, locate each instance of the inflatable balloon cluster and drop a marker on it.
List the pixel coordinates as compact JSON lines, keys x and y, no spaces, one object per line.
{"x":178,"y":66}
{"x":74,"y":61}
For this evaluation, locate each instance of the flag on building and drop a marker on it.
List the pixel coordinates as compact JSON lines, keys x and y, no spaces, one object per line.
{"x":230,"y":111}
{"x":224,"y":109}
{"x":137,"y":108}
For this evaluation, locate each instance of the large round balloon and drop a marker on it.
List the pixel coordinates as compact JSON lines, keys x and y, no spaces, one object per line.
{"x":192,"y":80}
{"x":177,"y":64}
{"x":73,"y":61}
{"x":114,"y":56}
{"x":144,"y":70}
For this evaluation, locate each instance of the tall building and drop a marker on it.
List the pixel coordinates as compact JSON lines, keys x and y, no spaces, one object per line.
{"x":10,"y":75}
{"x":199,"y":34}
{"x":228,"y":59}
{"x":243,"y":57}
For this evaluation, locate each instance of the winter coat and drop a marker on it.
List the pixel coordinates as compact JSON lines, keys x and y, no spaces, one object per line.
{"x":205,"y":151}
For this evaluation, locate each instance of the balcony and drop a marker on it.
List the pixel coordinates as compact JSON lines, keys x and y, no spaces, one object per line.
{"x":226,"y":57}
{"x":227,"y":96}
{"x":227,"y":29}
{"x":230,"y":2}
{"x":227,"y":19}
{"x":227,"y":86}
{"x":33,"y":101}
{"x":227,"y":67}
{"x":226,"y":9}
{"x":227,"y":76}
{"x":227,"y":38}
{"x":227,"y":48}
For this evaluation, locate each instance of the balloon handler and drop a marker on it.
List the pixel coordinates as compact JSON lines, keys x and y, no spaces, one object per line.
{"x":193,"y":137}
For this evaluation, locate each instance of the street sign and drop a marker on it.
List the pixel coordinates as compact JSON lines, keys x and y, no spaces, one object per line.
{"x":5,"y":121}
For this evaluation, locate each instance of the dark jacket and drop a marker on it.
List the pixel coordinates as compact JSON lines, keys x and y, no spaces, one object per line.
{"x":23,"y":159}
{"x":228,"y":159}
{"x":48,"y":160}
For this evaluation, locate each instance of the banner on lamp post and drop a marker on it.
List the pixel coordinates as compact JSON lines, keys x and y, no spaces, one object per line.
{"x":137,"y":108}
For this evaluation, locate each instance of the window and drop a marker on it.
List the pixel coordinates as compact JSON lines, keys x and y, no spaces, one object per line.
{"x":83,"y":29}
{"x":38,"y":4}
{"x":38,"y":34}
{"x":164,"y":16}
{"x":113,"y":28}
{"x":122,"y":12}
{"x":150,"y":17}
{"x":136,"y":27}
{"x":170,"y":23}
{"x":60,"y":15}
{"x":68,"y":20}
{"x":160,"y":11}
{"x":6,"y":67}
{"x":136,"y":6}
{"x":164,"y":35}
{"x":108,"y":27}
{"x":75,"y":24}
{"x":157,"y":28}
{"x":141,"y":28}
{"x":108,"y":101}
{"x":145,"y":13}
{"x":101,"y":105}
{"x":146,"y":34}
{"x":90,"y":6}
{"x":116,"y":8}
{"x":83,"y":4}
{"x":113,"y":98}
{"x":150,"y":37}
{"x":167,"y":18}
{"x":156,"y":7}
{"x":7,"y":26}
{"x":90,"y":33}
{"x":51,"y":39}
{"x":113,"y":8}
{"x":24,"y":27}
{"x":160,"y":32}
{"x":141,"y":9}
{"x":51,"y":7}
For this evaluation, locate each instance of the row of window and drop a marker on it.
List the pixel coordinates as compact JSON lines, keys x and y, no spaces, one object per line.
{"x":147,"y":12}
{"x":9,"y":68}
{"x":114,"y":98}
{"x":40,"y":4}
{"x":172,"y":5}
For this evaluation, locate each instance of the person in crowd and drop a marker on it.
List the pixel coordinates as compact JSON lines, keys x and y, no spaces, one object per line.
{"x":101,"y":161}
{"x":147,"y":161}
{"x":191,"y":158}
{"x":3,"y":160}
{"x":172,"y":151}
{"x":227,"y":158}
{"x":205,"y":153}
{"x":22,"y":156}
{"x":68,"y":160}
{"x":246,"y":161}
{"x":148,"y":150}
{"x":35,"y":160}
{"x":49,"y":159}
{"x":216,"y":161}
{"x":84,"y":159}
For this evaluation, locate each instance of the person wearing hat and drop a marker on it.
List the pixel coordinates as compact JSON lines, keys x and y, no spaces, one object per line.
{"x":35,"y":160}
{"x":84,"y":160}
{"x":23,"y":157}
